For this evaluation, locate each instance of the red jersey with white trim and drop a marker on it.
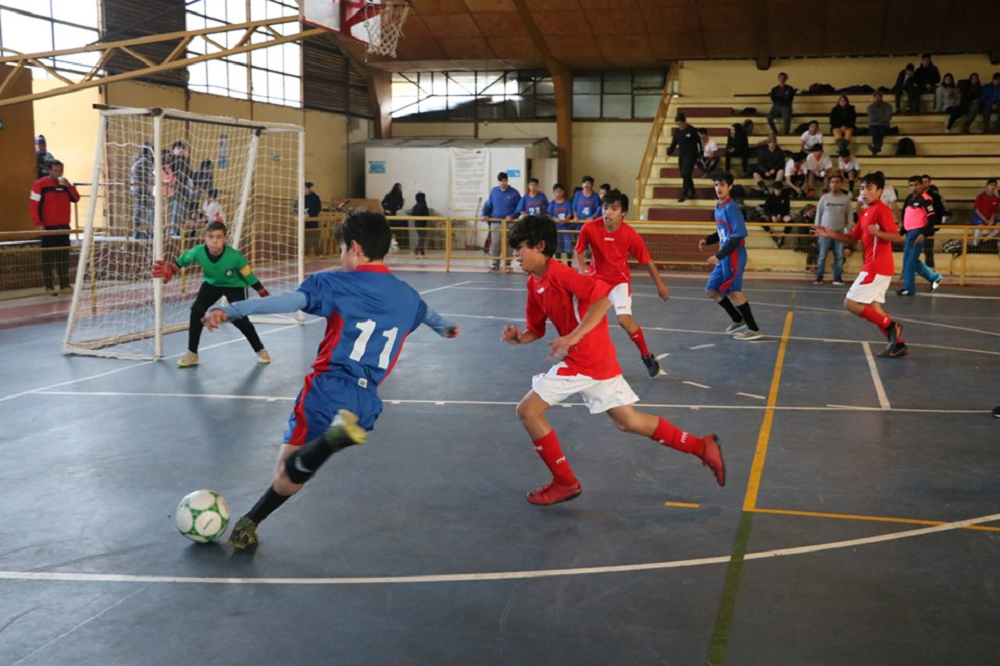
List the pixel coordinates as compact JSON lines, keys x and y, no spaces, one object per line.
{"x":563,"y":296}
{"x":878,"y":252}
{"x":610,"y":250}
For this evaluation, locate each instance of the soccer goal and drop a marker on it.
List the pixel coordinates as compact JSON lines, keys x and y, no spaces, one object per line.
{"x":154,"y":170}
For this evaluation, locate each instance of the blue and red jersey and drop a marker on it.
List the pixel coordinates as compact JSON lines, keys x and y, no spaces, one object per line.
{"x":560,"y":210}
{"x":586,"y":208}
{"x":533,"y":205}
{"x":729,"y":222}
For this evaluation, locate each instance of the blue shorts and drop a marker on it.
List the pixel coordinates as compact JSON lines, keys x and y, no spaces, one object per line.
{"x":320,"y":399}
{"x":728,"y":273}
{"x":566,"y":238}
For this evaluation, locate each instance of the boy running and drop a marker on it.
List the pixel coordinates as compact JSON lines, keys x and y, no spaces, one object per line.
{"x":227,"y":273}
{"x":877,"y":231}
{"x":370,"y":312}
{"x":576,"y":306}
{"x":729,"y":262}
{"x":611,"y":241}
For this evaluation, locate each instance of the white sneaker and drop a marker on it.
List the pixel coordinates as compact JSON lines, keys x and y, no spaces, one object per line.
{"x":736,"y":328}
{"x":936,"y":284}
{"x":263,"y":357}
{"x":189,"y":359}
{"x":748,"y":335}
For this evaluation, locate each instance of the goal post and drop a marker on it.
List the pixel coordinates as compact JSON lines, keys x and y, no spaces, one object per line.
{"x":155,"y":170}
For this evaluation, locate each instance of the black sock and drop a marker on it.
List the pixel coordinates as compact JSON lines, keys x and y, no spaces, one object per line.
{"x":728,"y":306}
{"x":266,"y":505}
{"x":748,"y":316}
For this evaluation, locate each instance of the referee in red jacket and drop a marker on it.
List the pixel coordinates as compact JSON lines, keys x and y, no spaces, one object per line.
{"x":51,"y":207}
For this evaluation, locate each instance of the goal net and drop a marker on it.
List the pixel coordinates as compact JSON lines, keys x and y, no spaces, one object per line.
{"x":155,"y":172}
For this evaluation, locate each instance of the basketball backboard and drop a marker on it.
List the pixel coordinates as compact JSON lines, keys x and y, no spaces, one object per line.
{"x":373,"y":22}
{"x":322,"y":14}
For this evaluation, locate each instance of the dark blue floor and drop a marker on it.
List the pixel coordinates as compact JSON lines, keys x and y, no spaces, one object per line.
{"x":96,"y":453}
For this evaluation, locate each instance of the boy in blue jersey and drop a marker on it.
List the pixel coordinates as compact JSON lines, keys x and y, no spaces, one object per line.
{"x":370,"y":312}
{"x":586,"y":203}
{"x":502,"y":203}
{"x":533,"y":202}
{"x":726,"y":280}
{"x":560,"y":210}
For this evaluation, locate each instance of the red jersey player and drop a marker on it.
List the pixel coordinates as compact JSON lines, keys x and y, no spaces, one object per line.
{"x":877,"y":231}
{"x":576,"y":305}
{"x":611,"y":241}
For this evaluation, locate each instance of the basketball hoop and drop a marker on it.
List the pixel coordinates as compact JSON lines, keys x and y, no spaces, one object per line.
{"x":384,"y":24}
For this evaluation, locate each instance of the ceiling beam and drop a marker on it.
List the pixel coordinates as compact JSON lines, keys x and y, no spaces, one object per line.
{"x":762,"y":46}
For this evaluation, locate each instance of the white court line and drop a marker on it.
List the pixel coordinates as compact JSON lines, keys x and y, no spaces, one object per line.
{"x":506,"y":403}
{"x":447,"y":286}
{"x":696,"y":384}
{"x":883,"y":399}
{"x":711,"y":344}
{"x":662,"y":356}
{"x":752,"y":395}
{"x":498,"y":575}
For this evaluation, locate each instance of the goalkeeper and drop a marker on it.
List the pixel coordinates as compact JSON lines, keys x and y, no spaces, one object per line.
{"x":227,"y":273}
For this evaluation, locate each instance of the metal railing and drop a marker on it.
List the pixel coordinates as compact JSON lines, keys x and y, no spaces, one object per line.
{"x":652,"y":145}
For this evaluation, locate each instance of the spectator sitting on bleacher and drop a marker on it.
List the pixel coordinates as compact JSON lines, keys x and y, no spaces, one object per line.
{"x":989,"y":103}
{"x":795,"y":175}
{"x":811,"y":136}
{"x":879,"y":117}
{"x":971,"y":90}
{"x":738,"y":145}
{"x":708,"y":159}
{"x":849,"y":168}
{"x":843,"y":121}
{"x":770,"y":163}
{"x":985,"y":211}
{"x":907,"y":84}
{"x":928,"y":76}
{"x":781,"y":104}
{"x":777,"y":210}
{"x":948,"y":99}
{"x":818,"y":165}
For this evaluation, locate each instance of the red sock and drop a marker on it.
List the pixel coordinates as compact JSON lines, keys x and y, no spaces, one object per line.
{"x":880,"y":320}
{"x":640,"y":341}
{"x":672,"y":436}
{"x":551,"y":454}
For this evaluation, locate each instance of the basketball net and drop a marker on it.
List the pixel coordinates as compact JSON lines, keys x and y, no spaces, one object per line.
{"x":384,"y":24}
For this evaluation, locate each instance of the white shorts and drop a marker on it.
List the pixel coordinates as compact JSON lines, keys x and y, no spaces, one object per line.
{"x":621,"y":299}
{"x":599,"y":395}
{"x":873,"y":291}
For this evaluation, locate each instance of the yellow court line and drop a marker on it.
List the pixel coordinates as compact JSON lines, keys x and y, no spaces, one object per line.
{"x":879,"y":519}
{"x":757,"y":469}
{"x":683,"y":505}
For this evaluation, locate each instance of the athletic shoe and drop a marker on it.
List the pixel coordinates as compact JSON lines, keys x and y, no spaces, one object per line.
{"x":996,"y":412}
{"x":736,"y":327}
{"x":898,"y":350}
{"x":344,"y":431}
{"x":838,"y":283}
{"x":712,"y":457}
{"x":818,"y":281}
{"x":188,"y":360}
{"x":895,"y":332}
{"x":652,"y":365}
{"x":936,"y":284}
{"x":244,"y":533}
{"x":904,"y":292}
{"x":749,"y":335}
{"x":263,"y":357}
{"x":553,"y":493}
{"x":682,"y":198}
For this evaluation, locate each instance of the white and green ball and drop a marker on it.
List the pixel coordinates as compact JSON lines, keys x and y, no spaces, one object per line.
{"x":202,"y":516}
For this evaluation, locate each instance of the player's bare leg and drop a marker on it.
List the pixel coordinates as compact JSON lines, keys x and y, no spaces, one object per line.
{"x":630,"y":420}
{"x":564,"y":486}
{"x":635,"y":334}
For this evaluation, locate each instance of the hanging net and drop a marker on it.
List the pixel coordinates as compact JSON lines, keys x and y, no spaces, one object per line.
{"x":384,"y":24}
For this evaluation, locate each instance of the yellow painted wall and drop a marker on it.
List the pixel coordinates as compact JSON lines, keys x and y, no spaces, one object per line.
{"x":69,"y":123}
{"x":18,"y":167}
{"x":720,"y":78}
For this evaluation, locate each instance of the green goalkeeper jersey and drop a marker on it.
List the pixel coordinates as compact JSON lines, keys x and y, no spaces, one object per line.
{"x":229,"y":269}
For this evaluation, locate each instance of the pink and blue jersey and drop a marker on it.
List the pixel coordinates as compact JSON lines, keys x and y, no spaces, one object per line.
{"x":533,"y":205}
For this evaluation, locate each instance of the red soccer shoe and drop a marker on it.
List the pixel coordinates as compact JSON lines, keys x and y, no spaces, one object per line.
{"x":712,"y":458}
{"x":553,"y":493}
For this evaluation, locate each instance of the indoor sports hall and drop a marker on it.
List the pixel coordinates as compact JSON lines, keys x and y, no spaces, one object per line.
{"x":860,"y":519}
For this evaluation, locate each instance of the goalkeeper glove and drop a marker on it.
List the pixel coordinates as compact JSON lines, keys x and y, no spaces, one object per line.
{"x":165,"y":270}
{"x":263,"y":292}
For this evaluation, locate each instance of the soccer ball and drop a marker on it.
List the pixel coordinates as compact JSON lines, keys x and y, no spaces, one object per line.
{"x":202,"y":516}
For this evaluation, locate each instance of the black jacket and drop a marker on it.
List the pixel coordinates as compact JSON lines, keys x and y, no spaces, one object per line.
{"x":843,"y":116}
{"x":768,"y":160}
{"x":689,"y":142}
{"x":739,"y":144}
{"x":782,"y":97}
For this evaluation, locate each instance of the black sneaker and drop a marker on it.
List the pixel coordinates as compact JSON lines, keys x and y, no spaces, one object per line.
{"x":818,"y":281}
{"x":896,"y":351}
{"x":652,"y":365}
{"x":895,"y":331}
{"x":996,"y":412}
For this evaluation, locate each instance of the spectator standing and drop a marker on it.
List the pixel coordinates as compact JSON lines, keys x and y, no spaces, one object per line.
{"x":52,"y":199}
{"x":688,"y":142}
{"x":919,"y":220}
{"x":818,"y":165}
{"x":811,"y":137}
{"x":560,"y":209}
{"x":971,"y":90}
{"x":985,"y":211}
{"x":907,"y":84}
{"x":501,"y":203}
{"x":770,"y":163}
{"x":849,"y":168}
{"x":708,"y":159}
{"x":834,"y":213}
{"x":204,"y":178}
{"x":43,"y":158}
{"x":738,"y":145}
{"x":781,"y":104}
{"x":989,"y":103}
{"x":392,"y":203}
{"x":314,"y":206}
{"x":420,"y":209}
{"x":182,"y":187}
{"x":843,"y":122}
{"x":534,"y":201}
{"x":879,"y":117}
{"x":142,"y":178}
{"x":948,"y":99}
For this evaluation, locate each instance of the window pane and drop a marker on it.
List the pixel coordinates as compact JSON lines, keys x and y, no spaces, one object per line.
{"x":545,"y":107}
{"x":587,"y":83}
{"x":80,"y":12}
{"x":617,"y":106}
{"x":198,"y":76}
{"x":545,"y":87}
{"x":649,"y":79}
{"x":646,"y":105}
{"x":618,"y":82}
{"x":586,"y":106}
{"x":24,"y":34}
{"x":68,"y":37}
{"x":237,"y":81}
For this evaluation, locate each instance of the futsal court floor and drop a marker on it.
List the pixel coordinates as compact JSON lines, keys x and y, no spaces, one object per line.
{"x":860,"y":523}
